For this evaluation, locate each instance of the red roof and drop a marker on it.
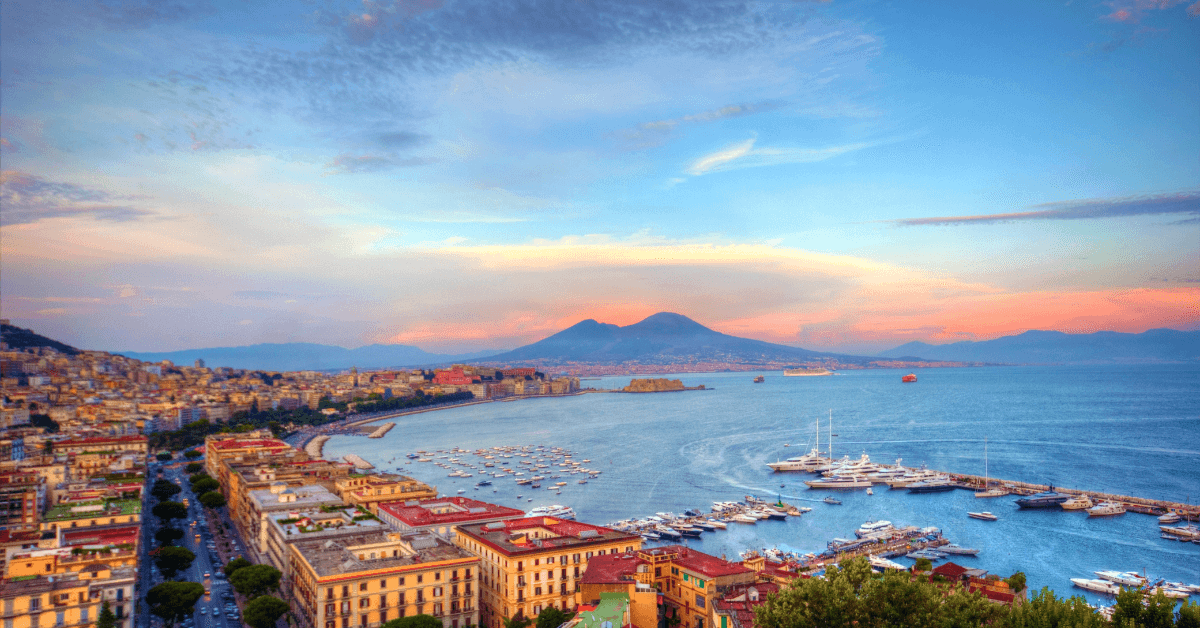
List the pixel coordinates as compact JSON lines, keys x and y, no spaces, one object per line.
{"x":421,"y":514}
{"x":239,"y":444}
{"x":102,"y":439}
{"x":949,"y":570}
{"x":702,"y":563}
{"x":98,"y":535}
{"x":610,"y":569}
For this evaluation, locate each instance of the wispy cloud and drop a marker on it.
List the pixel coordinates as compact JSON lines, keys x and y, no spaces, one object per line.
{"x":347,"y":163}
{"x":28,"y":198}
{"x":745,"y":155}
{"x":1186,"y":203}
{"x":1132,"y":11}
{"x":657,"y":132}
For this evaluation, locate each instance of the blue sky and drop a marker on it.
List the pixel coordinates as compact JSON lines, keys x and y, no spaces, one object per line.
{"x":461,"y":175}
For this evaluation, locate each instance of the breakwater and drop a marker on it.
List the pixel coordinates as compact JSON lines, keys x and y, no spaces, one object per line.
{"x":315,"y":446}
{"x":1139,"y":505}
{"x":357,"y":461}
{"x":383,"y":429}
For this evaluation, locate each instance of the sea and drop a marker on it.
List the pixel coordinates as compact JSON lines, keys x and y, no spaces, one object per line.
{"x":1131,"y":430}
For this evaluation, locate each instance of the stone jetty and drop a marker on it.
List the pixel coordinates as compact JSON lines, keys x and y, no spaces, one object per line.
{"x":381,"y":430}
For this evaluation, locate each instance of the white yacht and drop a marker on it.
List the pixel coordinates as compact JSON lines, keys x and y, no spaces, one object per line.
{"x":810,"y":461}
{"x":1098,"y":586}
{"x":871,"y":527}
{"x":1170,"y":517}
{"x":849,"y":481}
{"x":1105,"y":509}
{"x":1079,"y":502}
{"x":557,"y":511}
{"x":912,"y":477}
{"x":884,"y":564}
{"x":1126,"y":578}
{"x":861,"y":466}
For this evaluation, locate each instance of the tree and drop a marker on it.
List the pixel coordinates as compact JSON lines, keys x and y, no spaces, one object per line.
{"x":255,"y":580}
{"x":164,"y":490}
{"x":195,"y":467}
{"x":551,"y":617}
{"x":263,"y":612}
{"x":235,"y":565}
{"x":167,"y":536}
{"x":1044,"y":610}
{"x":922,"y":565}
{"x":169,"y":510}
{"x":172,"y":560}
{"x":174,"y":601}
{"x":515,"y":622}
{"x":192,"y":454}
{"x":1016,"y":582}
{"x":163,"y":456}
{"x":421,"y":621}
{"x":44,"y":421}
{"x":205,"y":485}
{"x":212,"y":499}
{"x":1189,"y":615}
{"x":106,"y":619}
{"x":196,"y":477}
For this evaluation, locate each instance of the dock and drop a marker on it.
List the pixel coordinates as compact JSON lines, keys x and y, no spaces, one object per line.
{"x":1139,"y":505}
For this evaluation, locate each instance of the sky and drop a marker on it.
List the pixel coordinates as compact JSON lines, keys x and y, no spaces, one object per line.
{"x":474,"y":174}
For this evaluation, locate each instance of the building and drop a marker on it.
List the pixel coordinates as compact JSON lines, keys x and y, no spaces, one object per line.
{"x":369,"y":491}
{"x":442,"y":515}
{"x":78,"y":550}
{"x":22,"y":495}
{"x":367,"y":579}
{"x":68,"y":600}
{"x":978,"y":580}
{"x":692,"y":581}
{"x":283,"y":528}
{"x":735,"y":609}
{"x":282,"y":498}
{"x":239,"y":479}
{"x":534,"y":563}
{"x":123,"y":444}
{"x":99,"y":512}
{"x":624,"y":575}
{"x":219,"y":448}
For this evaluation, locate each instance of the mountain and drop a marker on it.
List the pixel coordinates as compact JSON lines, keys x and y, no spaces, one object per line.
{"x":303,"y":356}
{"x":1056,"y":347}
{"x":20,"y":338}
{"x":664,"y":338}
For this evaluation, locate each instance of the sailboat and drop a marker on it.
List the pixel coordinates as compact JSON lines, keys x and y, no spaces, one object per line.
{"x":986,"y":492}
{"x":808,"y":462}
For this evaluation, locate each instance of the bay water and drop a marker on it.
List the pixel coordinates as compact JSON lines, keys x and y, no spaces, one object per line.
{"x":1132,"y":430}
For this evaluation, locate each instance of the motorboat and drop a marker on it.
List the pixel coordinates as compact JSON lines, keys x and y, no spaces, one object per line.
{"x":720,"y":525}
{"x":984,"y":516}
{"x":855,"y":481}
{"x":741,"y":518}
{"x":1078,"y":502}
{"x":1170,"y":517}
{"x":1097,"y":586}
{"x":912,"y":477}
{"x":1046,"y":499}
{"x":1124,"y":578}
{"x":1184,"y":533}
{"x":811,"y":461}
{"x":1174,"y":594}
{"x":932,"y":486}
{"x":557,"y":511}
{"x":832,"y":500}
{"x":958,"y":549}
{"x":883,"y":564}
{"x":872,"y":527}
{"x":1106,"y":509}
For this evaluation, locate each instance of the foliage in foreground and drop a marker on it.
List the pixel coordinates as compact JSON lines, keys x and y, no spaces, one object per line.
{"x":263,"y":612}
{"x":174,"y":601}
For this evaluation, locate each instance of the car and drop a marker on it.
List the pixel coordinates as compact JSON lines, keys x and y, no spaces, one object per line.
{"x":207,"y":575}
{"x":203,"y":610}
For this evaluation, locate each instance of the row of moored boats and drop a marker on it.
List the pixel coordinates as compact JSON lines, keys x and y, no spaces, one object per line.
{"x":1112,"y":582}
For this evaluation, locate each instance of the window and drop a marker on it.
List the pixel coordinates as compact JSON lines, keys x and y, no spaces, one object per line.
{"x":345,"y":590}
{"x":600,"y":553}
{"x":329,"y":593}
{"x":331,"y":624}
{"x":537,"y":575}
{"x":362,"y":586}
{"x":83,"y":615}
{"x":564,"y":573}
{"x":420,"y":578}
{"x":699,"y":603}
{"x":383,"y":583}
{"x":364,"y":603}
{"x":437,"y":575}
{"x":401,"y":581}
{"x":362,"y":620}
{"x":330,"y":610}
{"x":685,"y":577}
{"x":550,"y":560}
{"x":35,"y":604}
{"x":383,"y":616}
{"x":700,"y":583}
{"x":658,"y":572}
{"x":589,"y":555}
{"x":437,"y":591}
{"x":537,"y":591}
{"x":537,"y":561}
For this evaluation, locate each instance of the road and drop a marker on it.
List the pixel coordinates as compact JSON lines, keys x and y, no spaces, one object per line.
{"x":208,"y":561}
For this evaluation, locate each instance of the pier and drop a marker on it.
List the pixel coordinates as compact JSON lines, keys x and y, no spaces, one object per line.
{"x":315,"y":446}
{"x":1139,"y":505}
{"x":357,"y":461}
{"x":383,"y":429}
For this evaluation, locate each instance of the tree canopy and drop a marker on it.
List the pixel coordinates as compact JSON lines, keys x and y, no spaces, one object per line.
{"x":264,"y":611}
{"x":415,"y":621}
{"x":551,"y":617}
{"x":107,"y":618}
{"x":169,"y":510}
{"x":172,"y":560}
{"x":255,"y":580}
{"x":167,"y":536}
{"x":163,"y":456}
{"x":205,"y":485}
{"x":196,"y":477}
{"x":174,"y":601}
{"x":192,"y":454}
{"x":212,"y":499}
{"x":235,"y":565}
{"x":164,"y":490}
{"x":195,"y":467}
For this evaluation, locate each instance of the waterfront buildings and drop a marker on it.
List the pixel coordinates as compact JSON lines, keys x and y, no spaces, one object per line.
{"x":442,"y":515}
{"x":369,"y":491}
{"x":534,"y":563}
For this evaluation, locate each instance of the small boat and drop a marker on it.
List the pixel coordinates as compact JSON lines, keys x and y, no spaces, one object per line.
{"x":582,"y":482}
{"x":910,"y":378}
{"x":744,"y":519}
{"x":483,"y":483}
{"x":832,"y":500}
{"x":651,"y":536}
{"x":720,"y":525}
{"x":1170,"y":517}
{"x":883,"y":564}
{"x":760,"y":379}
{"x":1174,"y":594}
{"x":1105,"y":509}
{"x":1079,"y":502}
{"x":984,"y":516}
{"x":705,"y":525}
{"x":1047,"y":499}
{"x":870,"y":491}
{"x":958,"y":549}
{"x":1097,"y":586}
{"x":1124,"y":578}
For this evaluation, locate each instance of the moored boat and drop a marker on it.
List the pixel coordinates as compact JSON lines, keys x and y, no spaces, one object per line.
{"x":1105,"y":509}
{"x":1046,"y":499}
{"x":931,"y":486}
{"x":984,"y":516}
{"x":1078,"y":502}
{"x":957,"y":549}
{"x":1125,"y":578}
{"x":910,"y":378}
{"x":1097,"y":586}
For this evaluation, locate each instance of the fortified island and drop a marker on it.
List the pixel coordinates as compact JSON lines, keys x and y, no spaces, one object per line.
{"x":660,"y":384}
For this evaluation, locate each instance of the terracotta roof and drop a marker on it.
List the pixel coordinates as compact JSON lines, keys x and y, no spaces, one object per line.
{"x":949,"y":570}
{"x":97,"y":535}
{"x":611,"y":569}
{"x":238,"y":444}
{"x":566,"y":534}
{"x":702,"y":563}
{"x":465,"y":510}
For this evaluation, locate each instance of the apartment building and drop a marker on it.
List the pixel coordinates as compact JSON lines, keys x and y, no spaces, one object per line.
{"x":68,"y":601}
{"x":369,"y":491}
{"x":442,"y":515}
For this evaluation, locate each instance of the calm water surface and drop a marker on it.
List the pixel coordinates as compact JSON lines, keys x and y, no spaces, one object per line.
{"x":1126,"y":430}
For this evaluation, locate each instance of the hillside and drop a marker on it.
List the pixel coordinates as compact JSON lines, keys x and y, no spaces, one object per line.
{"x":21,"y":338}
{"x":1055,"y":347}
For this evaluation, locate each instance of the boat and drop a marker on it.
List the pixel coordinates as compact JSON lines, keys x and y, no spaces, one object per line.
{"x":740,"y":518}
{"x":884,"y":564}
{"x":870,"y":491}
{"x":667,"y":533}
{"x":932,"y":486}
{"x":910,"y":378}
{"x":705,"y":525}
{"x":986,"y":492}
{"x":1175,"y":594}
{"x":984,"y":516}
{"x":1047,"y":499}
{"x":856,"y":481}
{"x":1183,"y":533}
{"x":1170,"y":517}
{"x":556,"y":510}
{"x":872,"y":527}
{"x":958,"y":549}
{"x":810,"y":461}
{"x":1105,"y":509}
{"x":1125,"y":578}
{"x":760,"y":379}
{"x":483,"y":483}
{"x":832,"y":501}
{"x":1079,"y":502}
{"x":805,"y":372}
{"x":720,"y":525}
{"x":1097,"y":586}
{"x":926,"y":553}
{"x":651,"y":536}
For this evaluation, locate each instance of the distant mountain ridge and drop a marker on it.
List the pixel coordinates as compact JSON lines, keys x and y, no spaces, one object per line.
{"x":304,"y":356}
{"x":1056,"y":347}
{"x":18,"y":338}
{"x":664,"y":338}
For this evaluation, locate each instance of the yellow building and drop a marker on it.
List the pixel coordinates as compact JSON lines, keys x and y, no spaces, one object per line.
{"x":92,"y":513}
{"x":365,"y":580}
{"x":369,"y":491}
{"x":534,"y":563}
{"x":689,"y":581}
{"x":219,"y":448}
{"x":69,"y":600}
{"x":81,"y":549}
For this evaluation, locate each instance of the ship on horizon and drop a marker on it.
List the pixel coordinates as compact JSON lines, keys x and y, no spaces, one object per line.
{"x":806,"y":372}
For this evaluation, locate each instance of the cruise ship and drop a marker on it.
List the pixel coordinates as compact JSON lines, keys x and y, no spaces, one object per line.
{"x":1048,"y":499}
{"x":803,"y":372}
{"x":557,"y":511}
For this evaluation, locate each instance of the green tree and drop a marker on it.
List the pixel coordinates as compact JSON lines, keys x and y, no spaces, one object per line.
{"x":235,"y":565}
{"x":205,"y":485}
{"x":551,"y":617}
{"x":516,"y":622}
{"x":174,"y":601}
{"x":164,"y":490}
{"x":192,"y":454}
{"x":1159,"y":612}
{"x":1044,"y":610}
{"x":1128,"y":608}
{"x":172,"y":560}
{"x":255,"y":580}
{"x":212,"y":499}
{"x":922,"y":565}
{"x":169,"y":510}
{"x":1016,"y":582}
{"x":167,"y":536}
{"x":196,"y":477}
{"x":163,"y":456}
{"x":422,"y":621}
{"x":264,"y":611}
{"x":106,"y":619}
{"x":195,"y":467}
{"x":1189,"y":615}
{"x":44,"y":421}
